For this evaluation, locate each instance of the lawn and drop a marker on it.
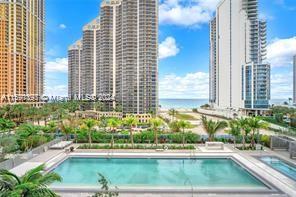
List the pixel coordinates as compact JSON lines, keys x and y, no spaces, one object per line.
{"x":185,"y":117}
{"x":274,"y":121}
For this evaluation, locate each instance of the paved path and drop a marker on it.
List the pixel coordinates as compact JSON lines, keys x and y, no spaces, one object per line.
{"x":34,"y":162}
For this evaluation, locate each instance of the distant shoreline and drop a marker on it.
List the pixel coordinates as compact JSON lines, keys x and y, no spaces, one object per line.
{"x":189,"y":104}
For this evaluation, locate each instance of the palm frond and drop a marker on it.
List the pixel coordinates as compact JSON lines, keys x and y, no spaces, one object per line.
{"x":6,"y":175}
{"x":33,"y":174}
{"x":42,"y":192}
{"x":50,"y":178}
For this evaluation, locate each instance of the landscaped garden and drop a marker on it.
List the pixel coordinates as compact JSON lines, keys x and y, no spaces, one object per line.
{"x":24,"y":128}
{"x":282,"y":116}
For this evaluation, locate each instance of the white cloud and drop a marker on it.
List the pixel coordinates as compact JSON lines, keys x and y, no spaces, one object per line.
{"x":280,"y":52}
{"x":192,"y":85}
{"x":53,"y":51}
{"x":281,"y":85}
{"x":56,"y":90}
{"x":168,"y":48}
{"x":57,"y":65}
{"x":62,"y":26}
{"x":186,"y":12}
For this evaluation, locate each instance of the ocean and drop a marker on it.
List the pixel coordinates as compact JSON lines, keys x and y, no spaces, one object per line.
{"x":182,"y":103}
{"x":195,"y":103}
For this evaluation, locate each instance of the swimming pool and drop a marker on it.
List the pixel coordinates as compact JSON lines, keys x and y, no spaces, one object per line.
{"x":280,"y":165}
{"x":155,"y":172}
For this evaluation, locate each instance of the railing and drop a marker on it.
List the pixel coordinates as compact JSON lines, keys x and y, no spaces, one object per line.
{"x":292,"y":150}
{"x":21,"y":158}
{"x":278,"y":142}
{"x":283,"y":142}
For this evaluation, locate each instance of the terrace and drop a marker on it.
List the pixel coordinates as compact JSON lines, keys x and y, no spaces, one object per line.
{"x":275,"y":182}
{"x":170,"y":149}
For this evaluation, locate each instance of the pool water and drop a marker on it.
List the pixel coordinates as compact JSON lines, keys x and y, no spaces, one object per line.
{"x":281,"y":166}
{"x":213,"y":173}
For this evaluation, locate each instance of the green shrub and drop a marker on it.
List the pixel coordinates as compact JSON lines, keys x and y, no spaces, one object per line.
{"x":293,"y":122}
{"x":174,"y":126}
{"x":144,"y":137}
{"x":265,"y":140}
{"x":138,"y":146}
{"x":9,"y":144}
{"x":124,"y":132}
{"x":279,"y":117}
{"x":192,"y":138}
{"x":175,"y":138}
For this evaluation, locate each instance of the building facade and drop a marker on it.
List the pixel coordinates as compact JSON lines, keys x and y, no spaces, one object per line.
{"x":21,"y":48}
{"x":294,"y":80}
{"x":126,"y":56}
{"x":239,"y":75}
{"x":90,"y":54}
{"x":75,"y":76}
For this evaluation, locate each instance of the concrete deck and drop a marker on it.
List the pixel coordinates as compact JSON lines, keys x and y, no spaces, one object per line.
{"x":36,"y":161}
{"x":246,"y":158}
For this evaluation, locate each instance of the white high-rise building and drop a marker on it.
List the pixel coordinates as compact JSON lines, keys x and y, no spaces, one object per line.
{"x":74,"y":74}
{"x":120,"y":55}
{"x":90,"y":54}
{"x":294,"y":80}
{"x":239,"y":78}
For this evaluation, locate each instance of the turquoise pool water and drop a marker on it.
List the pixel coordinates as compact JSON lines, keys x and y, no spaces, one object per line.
{"x":213,"y":173}
{"x":281,"y":166}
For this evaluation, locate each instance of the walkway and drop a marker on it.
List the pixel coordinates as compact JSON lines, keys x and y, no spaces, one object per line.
{"x":36,"y":161}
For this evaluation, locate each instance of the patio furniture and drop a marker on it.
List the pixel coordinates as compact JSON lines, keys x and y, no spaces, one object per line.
{"x":61,"y":145}
{"x":214,"y":145}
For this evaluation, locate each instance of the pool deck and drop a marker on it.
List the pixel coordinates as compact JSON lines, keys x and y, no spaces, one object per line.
{"x":247,"y":159}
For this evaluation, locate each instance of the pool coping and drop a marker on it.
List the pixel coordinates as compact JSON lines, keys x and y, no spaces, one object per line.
{"x":270,"y":189}
{"x":275,"y":156}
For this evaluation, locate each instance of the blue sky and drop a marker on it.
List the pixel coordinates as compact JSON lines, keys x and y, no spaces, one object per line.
{"x":183,"y":43}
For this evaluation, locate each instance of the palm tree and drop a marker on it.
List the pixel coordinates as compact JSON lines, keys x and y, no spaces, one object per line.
{"x":32,"y":184}
{"x":113,"y":123}
{"x":184,"y":125}
{"x":7,"y":111}
{"x":103,"y":123}
{"x":60,"y":114}
{"x":89,"y":124}
{"x":255,"y":125}
{"x":245,"y":129}
{"x":39,"y":115}
{"x":73,"y":106}
{"x":52,"y":126}
{"x":172,"y":113}
{"x":98,"y":106}
{"x":66,"y":128}
{"x":131,"y":122}
{"x":174,"y":126}
{"x":45,"y":114}
{"x":234,"y":129}
{"x":18,"y":113}
{"x":212,"y":127}
{"x":25,"y":133}
{"x":155,"y":124}
{"x":6,"y":125}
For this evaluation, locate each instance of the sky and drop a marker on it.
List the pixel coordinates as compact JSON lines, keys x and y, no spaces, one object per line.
{"x":183,"y":44}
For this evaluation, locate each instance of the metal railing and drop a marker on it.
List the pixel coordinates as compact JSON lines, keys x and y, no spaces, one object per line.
{"x":23,"y":157}
{"x":284,"y":143}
